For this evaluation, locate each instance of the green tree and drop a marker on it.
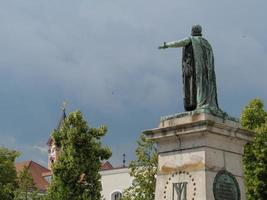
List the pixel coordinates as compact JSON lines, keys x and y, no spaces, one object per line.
{"x":7,"y":173}
{"x":253,"y":115}
{"x":144,"y":170}
{"x":76,"y":171}
{"x":254,"y":118}
{"x":26,"y":188}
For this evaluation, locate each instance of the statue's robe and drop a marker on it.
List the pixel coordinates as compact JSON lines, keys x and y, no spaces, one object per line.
{"x":200,"y":83}
{"x":189,"y":78}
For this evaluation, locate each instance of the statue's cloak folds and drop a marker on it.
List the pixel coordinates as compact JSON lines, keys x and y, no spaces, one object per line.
{"x":199,"y":75}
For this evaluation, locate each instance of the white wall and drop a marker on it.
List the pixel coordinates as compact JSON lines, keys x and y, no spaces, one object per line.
{"x":115,"y":180}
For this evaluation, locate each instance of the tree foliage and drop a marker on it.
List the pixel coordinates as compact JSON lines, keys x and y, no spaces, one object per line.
{"x":7,"y":173}
{"x":253,"y":115}
{"x":76,"y":171}
{"x":254,"y":118}
{"x":144,"y":170}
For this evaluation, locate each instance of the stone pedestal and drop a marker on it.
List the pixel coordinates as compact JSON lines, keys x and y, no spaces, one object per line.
{"x":193,"y":149}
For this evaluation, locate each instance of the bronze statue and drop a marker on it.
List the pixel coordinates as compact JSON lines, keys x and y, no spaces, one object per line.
{"x":199,"y":81}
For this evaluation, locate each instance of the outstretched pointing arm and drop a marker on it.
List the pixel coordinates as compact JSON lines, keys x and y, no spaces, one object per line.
{"x":175,"y":44}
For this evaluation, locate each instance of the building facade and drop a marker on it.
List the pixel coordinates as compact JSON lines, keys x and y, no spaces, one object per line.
{"x":114,"y":182}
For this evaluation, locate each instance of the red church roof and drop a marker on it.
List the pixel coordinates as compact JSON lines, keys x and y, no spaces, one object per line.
{"x":36,"y":171}
{"x":106,"y":166}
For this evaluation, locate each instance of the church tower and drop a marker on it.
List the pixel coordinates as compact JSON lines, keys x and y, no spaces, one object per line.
{"x":53,"y":151}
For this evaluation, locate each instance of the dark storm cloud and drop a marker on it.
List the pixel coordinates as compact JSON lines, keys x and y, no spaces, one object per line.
{"x":102,"y":57}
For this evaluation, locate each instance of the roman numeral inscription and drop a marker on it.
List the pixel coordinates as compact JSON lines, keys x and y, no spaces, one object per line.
{"x":179,"y":191}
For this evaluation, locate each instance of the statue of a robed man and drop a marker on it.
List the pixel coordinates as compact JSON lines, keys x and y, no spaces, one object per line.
{"x":199,"y":81}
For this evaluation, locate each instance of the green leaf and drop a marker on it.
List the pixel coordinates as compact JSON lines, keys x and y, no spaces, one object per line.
{"x":144,"y":170}
{"x":254,"y":118}
{"x":76,"y":171}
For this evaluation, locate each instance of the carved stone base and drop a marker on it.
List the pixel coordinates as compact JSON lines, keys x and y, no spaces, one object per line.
{"x":193,"y":149}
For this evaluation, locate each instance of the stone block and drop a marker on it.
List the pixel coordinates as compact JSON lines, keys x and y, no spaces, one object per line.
{"x":192,"y":150}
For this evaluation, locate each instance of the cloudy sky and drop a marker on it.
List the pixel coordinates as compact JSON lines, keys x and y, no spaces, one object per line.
{"x":102,"y":57}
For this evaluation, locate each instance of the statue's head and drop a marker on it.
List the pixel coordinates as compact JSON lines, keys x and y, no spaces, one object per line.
{"x":196,"y":30}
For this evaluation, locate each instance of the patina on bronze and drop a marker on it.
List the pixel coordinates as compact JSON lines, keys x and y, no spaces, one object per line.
{"x":199,"y":80}
{"x":225,"y":186}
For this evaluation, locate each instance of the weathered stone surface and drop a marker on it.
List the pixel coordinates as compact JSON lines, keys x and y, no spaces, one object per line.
{"x":199,"y":146}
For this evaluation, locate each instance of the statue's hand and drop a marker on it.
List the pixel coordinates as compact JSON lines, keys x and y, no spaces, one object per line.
{"x":164,"y":46}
